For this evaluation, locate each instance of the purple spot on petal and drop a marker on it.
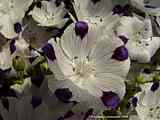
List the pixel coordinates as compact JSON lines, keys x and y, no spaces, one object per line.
{"x":12,"y":46}
{"x":123,"y":11}
{"x":48,"y":51}
{"x":17,"y":27}
{"x":127,"y":10}
{"x":155,"y":86}
{"x":36,"y":101}
{"x":63,"y":94}
{"x":117,"y":10}
{"x":120,"y":53}
{"x":81,"y":28}
{"x":123,"y":38}
{"x":110,"y":100}
{"x":134,"y":101}
{"x":37,"y":79}
{"x":57,"y":32}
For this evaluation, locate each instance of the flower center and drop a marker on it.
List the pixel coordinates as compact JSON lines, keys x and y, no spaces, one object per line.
{"x":83,"y":70}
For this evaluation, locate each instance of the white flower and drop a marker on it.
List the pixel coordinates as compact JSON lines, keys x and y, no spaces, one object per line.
{"x":12,"y":13}
{"x":141,"y":44}
{"x":49,"y":14}
{"x":93,"y":64}
{"x":26,"y":108}
{"x":148,"y":104}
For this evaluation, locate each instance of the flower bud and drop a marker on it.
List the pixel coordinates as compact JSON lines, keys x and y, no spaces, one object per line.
{"x":18,"y":63}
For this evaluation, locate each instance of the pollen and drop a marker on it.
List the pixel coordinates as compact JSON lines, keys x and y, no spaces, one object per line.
{"x":83,"y":69}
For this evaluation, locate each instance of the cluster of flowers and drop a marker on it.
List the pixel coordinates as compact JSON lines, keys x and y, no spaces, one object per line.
{"x":78,"y":59}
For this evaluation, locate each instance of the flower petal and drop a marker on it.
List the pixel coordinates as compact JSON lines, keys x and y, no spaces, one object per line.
{"x":148,"y":47}
{"x":108,"y":82}
{"x":64,"y":62}
{"x":7,"y":27}
{"x":102,"y":56}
